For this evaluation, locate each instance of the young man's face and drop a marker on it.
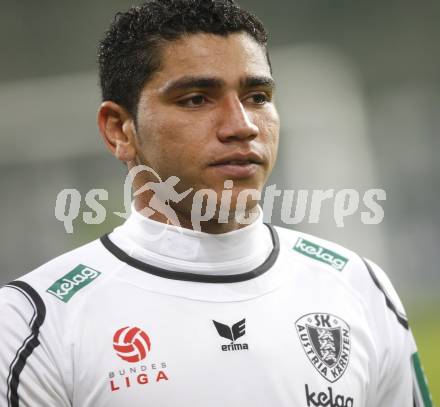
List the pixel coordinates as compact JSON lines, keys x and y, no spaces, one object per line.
{"x":207,"y":115}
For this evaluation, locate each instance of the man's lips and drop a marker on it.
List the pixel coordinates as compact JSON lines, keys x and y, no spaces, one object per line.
{"x":238,"y":165}
{"x":240,"y":159}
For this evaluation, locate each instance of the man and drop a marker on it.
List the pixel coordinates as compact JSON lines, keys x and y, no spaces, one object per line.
{"x":236,"y":314}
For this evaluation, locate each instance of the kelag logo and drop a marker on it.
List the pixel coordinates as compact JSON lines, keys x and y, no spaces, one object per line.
{"x":72,"y":282}
{"x":320,"y":253}
{"x":327,"y":399}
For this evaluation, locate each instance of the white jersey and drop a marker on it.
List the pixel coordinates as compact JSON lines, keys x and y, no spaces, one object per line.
{"x":278,"y":318}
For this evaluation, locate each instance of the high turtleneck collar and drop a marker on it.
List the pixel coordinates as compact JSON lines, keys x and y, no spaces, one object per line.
{"x":179,"y":249}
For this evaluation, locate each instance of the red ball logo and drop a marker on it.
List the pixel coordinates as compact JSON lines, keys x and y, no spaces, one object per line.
{"x":131,"y":344}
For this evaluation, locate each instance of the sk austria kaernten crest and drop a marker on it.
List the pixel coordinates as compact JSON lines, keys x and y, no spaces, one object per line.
{"x":326,"y":341}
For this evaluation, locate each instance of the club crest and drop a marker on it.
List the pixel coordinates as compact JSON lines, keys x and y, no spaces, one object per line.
{"x":326,"y":341}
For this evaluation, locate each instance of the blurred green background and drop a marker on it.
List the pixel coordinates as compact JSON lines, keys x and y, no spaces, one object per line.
{"x":359,"y":99}
{"x":426,"y":329}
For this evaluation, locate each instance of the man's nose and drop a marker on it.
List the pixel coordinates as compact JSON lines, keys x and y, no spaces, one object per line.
{"x":236,"y":123}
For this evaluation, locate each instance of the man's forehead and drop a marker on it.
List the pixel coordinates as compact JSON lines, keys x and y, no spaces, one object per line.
{"x":230,"y":58}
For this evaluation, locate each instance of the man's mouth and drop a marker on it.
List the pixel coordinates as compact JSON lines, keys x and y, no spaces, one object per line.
{"x":241,"y":159}
{"x":236,"y":162}
{"x":238,"y":165}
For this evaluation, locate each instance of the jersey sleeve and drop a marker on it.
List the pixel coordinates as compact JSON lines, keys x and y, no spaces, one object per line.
{"x":30,"y":360}
{"x":401,"y":381}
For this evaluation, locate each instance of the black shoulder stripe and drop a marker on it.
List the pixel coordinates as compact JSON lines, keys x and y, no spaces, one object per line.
{"x":29,"y":344}
{"x":400,"y":317}
{"x":415,"y":403}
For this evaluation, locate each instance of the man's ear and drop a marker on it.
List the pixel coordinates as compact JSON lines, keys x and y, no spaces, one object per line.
{"x":117,"y":129}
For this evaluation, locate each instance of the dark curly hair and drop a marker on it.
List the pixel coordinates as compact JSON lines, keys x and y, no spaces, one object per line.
{"x":129,"y":53}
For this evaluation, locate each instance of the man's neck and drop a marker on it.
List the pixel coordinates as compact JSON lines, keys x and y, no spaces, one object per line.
{"x":211,"y":226}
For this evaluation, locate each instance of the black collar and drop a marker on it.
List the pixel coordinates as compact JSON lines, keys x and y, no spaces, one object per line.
{"x":200,"y":278}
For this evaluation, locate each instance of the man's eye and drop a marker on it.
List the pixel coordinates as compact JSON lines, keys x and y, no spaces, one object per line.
{"x":259,"y":98}
{"x":193,"y":101}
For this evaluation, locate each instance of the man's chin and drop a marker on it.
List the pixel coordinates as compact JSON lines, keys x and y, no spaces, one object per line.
{"x":237,"y":203}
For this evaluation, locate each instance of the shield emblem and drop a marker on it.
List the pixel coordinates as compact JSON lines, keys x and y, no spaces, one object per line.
{"x":326,"y":341}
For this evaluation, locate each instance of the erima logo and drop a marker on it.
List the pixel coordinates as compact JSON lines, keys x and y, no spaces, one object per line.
{"x":326,"y":399}
{"x":72,"y":282}
{"x":232,"y":333}
{"x":320,"y":253}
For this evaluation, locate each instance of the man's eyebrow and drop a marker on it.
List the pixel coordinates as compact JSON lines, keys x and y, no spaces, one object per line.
{"x":190,"y":82}
{"x":255,"y":81}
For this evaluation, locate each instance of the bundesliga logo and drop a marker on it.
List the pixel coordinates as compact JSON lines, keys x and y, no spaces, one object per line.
{"x":133,"y":345}
{"x":326,"y":341}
